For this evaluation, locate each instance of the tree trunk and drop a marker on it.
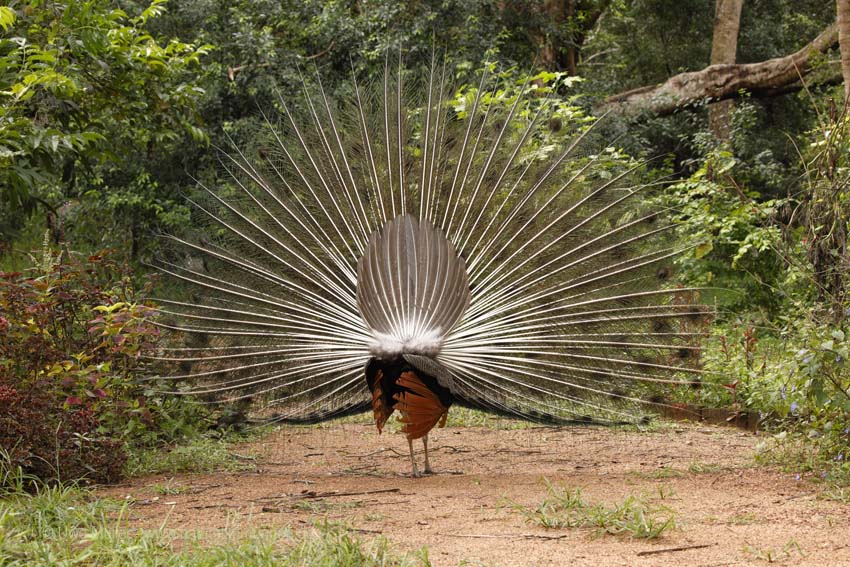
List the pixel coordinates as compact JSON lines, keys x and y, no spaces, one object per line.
{"x":721,"y":82}
{"x":724,"y":46}
{"x":581,"y":16}
{"x":843,"y":12}
{"x":556,"y":10}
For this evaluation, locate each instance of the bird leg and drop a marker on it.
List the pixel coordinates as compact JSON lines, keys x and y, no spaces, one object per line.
{"x":416,"y":472}
{"x":427,"y":464}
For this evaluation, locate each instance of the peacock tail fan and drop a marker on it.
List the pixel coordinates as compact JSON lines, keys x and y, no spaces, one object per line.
{"x":473,"y":227}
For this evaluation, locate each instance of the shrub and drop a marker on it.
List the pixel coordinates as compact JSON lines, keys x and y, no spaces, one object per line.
{"x":797,"y":378}
{"x":70,"y":400}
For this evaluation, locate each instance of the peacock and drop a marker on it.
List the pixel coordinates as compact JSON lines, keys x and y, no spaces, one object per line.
{"x":414,"y":244}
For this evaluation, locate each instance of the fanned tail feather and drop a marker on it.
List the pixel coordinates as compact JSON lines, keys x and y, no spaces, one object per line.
{"x":452,"y":226}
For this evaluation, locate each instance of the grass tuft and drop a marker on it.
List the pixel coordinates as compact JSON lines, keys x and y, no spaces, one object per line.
{"x":563,"y":508}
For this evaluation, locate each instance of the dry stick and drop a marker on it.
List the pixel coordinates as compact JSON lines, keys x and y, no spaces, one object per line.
{"x":518,"y":451}
{"x":674,"y":549}
{"x":312,"y":494}
{"x":361,"y":467}
{"x":244,"y":457}
{"x":365,"y":531}
{"x":370,"y":454}
{"x":199,"y":489}
{"x":503,"y":536}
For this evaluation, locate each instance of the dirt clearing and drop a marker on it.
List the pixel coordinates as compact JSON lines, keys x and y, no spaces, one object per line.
{"x":727,"y":511}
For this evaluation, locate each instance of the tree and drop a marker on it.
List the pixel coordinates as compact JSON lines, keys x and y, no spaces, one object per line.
{"x":843,"y":20}
{"x":84,"y":86}
{"x":724,"y":46}
{"x":720,"y":82}
{"x":565,"y":30}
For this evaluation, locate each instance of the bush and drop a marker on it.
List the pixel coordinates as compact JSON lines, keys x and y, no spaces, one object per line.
{"x":797,"y":378}
{"x":70,"y":400}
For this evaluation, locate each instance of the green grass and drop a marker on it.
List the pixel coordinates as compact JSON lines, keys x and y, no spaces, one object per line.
{"x":773,"y":555}
{"x":466,"y":417}
{"x":563,"y":508}
{"x":321,"y":506}
{"x":837,"y":492}
{"x":704,"y":468}
{"x":65,"y":526}
{"x":167,"y":489}
{"x":794,"y":455}
{"x":660,"y":473}
{"x":744,"y":519}
{"x":200,"y":454}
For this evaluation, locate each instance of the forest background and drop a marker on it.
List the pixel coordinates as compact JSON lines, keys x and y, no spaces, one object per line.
{"x":110,"y":112}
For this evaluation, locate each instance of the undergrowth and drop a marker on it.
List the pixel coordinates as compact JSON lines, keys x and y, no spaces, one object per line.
{"x":563,"y":508}
{"x":199,"y":454}
{"x":73,"y":402}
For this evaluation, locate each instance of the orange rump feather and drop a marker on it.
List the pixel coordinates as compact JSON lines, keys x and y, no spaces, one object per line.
{"x":420,"y":408}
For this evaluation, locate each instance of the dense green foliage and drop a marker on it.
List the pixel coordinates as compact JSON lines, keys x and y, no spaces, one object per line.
{"x":70,"y":354}
{"x":90,"y":101}
{"x":108,"y":110}
{"x":781,"y":267}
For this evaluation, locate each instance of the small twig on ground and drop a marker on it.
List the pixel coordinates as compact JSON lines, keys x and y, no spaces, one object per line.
{"x":364,"y":455}
{"x":506,"y":536}
{"x":452,"y":449}
{"x":518,"y":452}
{"x":361,"y":467}
{"x":674,"y":549}
{"x":199,"y":489}
{"x":244,"y":457}
{"x":311,"y":494}
{"x":803,"y":495}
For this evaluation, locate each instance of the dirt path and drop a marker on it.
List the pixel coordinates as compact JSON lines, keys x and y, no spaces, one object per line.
{"x":741,"y":514}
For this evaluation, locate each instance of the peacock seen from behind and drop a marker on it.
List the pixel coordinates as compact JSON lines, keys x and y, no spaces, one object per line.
{"x":414,"y":245}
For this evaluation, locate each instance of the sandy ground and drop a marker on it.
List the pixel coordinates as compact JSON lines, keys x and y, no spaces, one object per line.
{"x":727,"y":511}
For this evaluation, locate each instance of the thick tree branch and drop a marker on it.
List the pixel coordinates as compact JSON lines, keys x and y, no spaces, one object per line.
{"x":720,"y":82}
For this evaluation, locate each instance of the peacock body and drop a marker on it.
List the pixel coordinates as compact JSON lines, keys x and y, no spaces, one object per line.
{"x":413,"y":245}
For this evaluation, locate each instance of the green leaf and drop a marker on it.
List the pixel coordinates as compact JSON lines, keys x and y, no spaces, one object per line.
{"x":7,"y":17}
{"x":703,"y":249}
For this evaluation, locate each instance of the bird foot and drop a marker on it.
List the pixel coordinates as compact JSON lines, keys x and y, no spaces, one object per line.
{"x":427,"y":470}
